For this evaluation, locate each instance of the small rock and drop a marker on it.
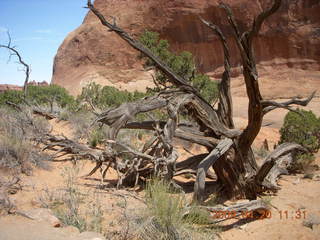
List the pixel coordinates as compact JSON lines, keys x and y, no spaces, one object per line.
{"x":316,"y":177}
{"x":297,"y":181}
{"x":311,"y":221}
{"x":242,"y":227}
{"x":42,"y":214}
{"x":90,"y":236}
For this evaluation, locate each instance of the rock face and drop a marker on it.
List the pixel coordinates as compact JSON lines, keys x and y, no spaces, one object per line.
{"x":289,"y":42}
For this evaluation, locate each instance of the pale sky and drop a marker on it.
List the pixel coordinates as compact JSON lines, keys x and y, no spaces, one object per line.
{"x":37,"y":28}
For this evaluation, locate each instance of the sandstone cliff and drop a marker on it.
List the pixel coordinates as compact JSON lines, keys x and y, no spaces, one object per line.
{"x":287,"y":50}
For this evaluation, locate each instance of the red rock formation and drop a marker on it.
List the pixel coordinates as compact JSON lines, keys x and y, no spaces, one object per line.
{"x":6,"y":87}
{"x":289,"y":42}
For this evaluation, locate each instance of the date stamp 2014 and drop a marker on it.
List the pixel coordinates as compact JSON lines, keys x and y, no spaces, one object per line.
{"x":261,"y":214}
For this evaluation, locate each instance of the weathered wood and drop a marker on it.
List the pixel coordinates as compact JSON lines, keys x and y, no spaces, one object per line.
{"x":26,"y":68}
{"x":199,"y":186}
{"x":7,"y":187}
{"x":225,"y":108}
{"x":240,"y":210}
{"x":35,"y":110}
{"x":271,"y":105}
{"x":276,"y":164}
{"x":183,"y":131}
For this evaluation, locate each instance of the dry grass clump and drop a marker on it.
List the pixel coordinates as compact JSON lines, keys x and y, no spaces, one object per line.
{"x":19,"y":131}
{"x":69,"y":204}
{"x":169,"y":217}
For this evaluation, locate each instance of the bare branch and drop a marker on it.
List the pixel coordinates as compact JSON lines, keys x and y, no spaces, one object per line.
{"x":271,"y":105}
{"x":274,"y":165}
{"x":14,"y":52}
{"x":225,"y":100}
{"x":258,"y":21}
{"x":199,"y":186}
{"x":174,"y":78}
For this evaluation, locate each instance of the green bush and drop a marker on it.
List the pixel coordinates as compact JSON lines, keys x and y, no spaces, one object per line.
{"x":107,"y":96}
{"x":96,"y":137}
{"x":42,"y":95}
{"x":49,"y":94}
{"x":182,"y":64}
{"x":11,"y":96}
{"x":168,"y":216}
{"x":304,"y":129}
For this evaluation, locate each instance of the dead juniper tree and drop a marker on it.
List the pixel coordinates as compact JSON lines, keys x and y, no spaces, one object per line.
{"x":26,"y":68}
{"x":229,"y":149}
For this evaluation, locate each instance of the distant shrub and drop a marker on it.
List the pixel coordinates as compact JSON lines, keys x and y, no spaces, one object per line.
{"x":107,"y":96}
{"x":42,"y":95}
{"x":11,"y":96}
{"x":304,"y":129}
{"x":49,"y":94}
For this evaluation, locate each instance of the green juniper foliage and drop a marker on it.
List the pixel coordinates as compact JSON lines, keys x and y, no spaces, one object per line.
{"x":304,"y":129}
{"x":182,"y":64}
{"x":42,"y":95}
{"x":107,"y":96}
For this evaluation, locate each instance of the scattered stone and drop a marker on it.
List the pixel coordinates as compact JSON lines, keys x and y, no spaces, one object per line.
{"x":6,"y":205}
{"x":297,"y":181}
{"x":242,"y":227}
{"x":316,"y":177}
{"x":308,"y":176}
{"x":312,"y":221}
{"x":42,"y":214}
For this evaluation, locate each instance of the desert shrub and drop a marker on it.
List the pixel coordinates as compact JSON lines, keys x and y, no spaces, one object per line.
{"x":42,"y":95}
{"x":167,"y":208}
{"x":166,"y":216}
{"x":208,"y":89}
{"x":107,"y":96}
{"x":182,"y":64}
{"x":96,"y":137}
{"x":69,"y":211}
{"x":304,"y":129}
{"x":64,"y":115}
{"x":81,"y":123}
{"x":11,"y":96}
{"x":17,"y":152}
{"x":67,"y":204}
{"x":48,"y":94}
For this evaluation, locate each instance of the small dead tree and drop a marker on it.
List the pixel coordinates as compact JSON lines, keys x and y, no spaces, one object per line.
{"x":229,"y":149}
{"x":26,"y":68}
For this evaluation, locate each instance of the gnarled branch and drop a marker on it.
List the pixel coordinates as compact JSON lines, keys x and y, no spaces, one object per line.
{"x":15,"y":52}
{"x":271,"y":105}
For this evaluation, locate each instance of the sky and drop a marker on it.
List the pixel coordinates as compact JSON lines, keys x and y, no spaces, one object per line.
{"x":37,"y":29}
